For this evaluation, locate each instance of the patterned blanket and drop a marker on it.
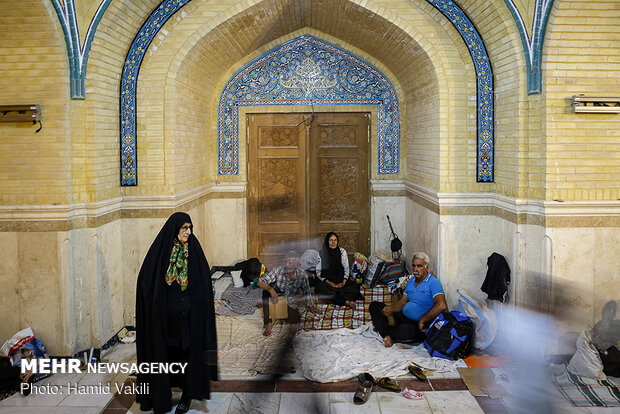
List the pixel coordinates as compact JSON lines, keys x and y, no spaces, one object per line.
{"x":588,"y":392}
{"x":239,"y":301}
{"x":335,"y":317}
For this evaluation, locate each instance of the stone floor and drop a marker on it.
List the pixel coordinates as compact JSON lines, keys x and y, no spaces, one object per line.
{"x":443,"y":394}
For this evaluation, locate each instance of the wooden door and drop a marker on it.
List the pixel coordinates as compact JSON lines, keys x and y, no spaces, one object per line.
{"x":307,"y":175}
{"x":339,"y":179}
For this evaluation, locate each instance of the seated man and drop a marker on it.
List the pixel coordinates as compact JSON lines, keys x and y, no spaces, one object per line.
{"x":422,"y":301}
{"x":287,"y":280}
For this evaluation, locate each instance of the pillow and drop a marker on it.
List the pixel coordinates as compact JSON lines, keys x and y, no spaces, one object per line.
{"x":236,"y":277}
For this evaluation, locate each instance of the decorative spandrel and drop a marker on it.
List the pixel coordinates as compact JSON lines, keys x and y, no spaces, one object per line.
{"x":308,"y":71}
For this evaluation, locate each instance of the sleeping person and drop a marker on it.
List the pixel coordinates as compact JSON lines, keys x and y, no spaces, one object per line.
{"x":332,"y":271}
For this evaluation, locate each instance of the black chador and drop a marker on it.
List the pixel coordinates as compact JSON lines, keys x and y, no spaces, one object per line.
{"x":175,"y":316}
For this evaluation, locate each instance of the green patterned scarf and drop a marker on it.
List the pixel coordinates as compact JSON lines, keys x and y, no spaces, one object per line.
{"x":178,"y":265}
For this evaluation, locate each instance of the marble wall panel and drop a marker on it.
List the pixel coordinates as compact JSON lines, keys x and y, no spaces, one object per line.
{"x":38,"y":291}
{"x":226,"y":220}
{"x":10,"y":279}
{"x":380,"y":234}
{"x":423,"y":233}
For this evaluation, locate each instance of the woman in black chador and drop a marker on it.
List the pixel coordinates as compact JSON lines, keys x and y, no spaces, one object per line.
{"x":332,"y":271}
{"x":175,"y":317}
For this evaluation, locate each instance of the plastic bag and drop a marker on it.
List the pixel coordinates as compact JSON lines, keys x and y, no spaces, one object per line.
{"x":586,"y":362}
{"x":23,"y":345}
{"x":483,"y":318}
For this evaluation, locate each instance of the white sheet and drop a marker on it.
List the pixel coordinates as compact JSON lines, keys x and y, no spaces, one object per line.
{"x":340,"y":354}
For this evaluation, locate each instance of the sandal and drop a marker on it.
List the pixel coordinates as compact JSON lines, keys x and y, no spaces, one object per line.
{"x":417,"y":372}
{"x":363,"y":393}
{"x":365,"y":376}
{"x":388,"y":384}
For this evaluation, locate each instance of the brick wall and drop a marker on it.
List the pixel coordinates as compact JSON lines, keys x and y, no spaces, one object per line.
{"x":582,"y":55}
{"x":34,"y":168}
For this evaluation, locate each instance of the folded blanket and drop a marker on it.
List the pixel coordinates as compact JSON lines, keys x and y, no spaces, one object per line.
{"x":239,"y":301}
{"x":588,"y":392}
{"x":340,"y":354}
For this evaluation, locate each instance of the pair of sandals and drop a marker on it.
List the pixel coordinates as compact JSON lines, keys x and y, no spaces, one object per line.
{"x":369,"y":384}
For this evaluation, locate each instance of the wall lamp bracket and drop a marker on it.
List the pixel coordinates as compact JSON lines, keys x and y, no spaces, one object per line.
{"x":589,"y":104}
{"x":21,"y":113}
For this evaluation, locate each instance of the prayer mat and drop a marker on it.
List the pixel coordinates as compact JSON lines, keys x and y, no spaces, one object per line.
{"x":335,"y":317}
{"x":588,"y":392}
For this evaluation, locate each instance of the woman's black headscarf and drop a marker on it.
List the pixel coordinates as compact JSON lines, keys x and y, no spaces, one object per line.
{"x":331,"y":261}
{"x":151,"y":319}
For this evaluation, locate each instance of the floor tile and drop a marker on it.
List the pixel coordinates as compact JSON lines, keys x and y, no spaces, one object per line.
{"x":317,"y":403}
{"x":448,"y":384}
{"x":310,"y":386}
{"x":397,"y":404}
{"x":219,"y":402}
{"x":492,"y":405}
{"x":450,"y":402}
{"x":50,"y":398}
{"x":243,"y":386}
{"x":346,"y":406}
{"x":254,"y":403}
{"x":50,"y":410}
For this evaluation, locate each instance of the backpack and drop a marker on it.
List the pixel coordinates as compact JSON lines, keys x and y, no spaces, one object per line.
{"x":450,"y":336}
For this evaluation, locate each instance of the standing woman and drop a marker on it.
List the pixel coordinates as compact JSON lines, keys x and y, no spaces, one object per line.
{"x":175,"y":317}
{"x":334,"y":285}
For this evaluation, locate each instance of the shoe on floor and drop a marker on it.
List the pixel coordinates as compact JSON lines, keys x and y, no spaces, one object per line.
{"x":417,"y":372}
{"x":363,"y":393}
{"x":365,"y":376}
{"x":389,"y":384}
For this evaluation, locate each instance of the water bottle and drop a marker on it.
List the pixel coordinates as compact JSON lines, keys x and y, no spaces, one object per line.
{"x":356,"y":275}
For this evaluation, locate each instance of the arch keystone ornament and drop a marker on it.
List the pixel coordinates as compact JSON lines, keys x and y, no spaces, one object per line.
{"x":308,"y":71}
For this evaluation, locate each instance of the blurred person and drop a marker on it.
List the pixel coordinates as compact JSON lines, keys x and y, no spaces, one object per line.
{"x":288,"y":280}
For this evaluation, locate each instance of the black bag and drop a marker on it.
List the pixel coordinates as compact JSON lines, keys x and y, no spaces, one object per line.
{"x":611,"y":361}
{"x":450,"y":336}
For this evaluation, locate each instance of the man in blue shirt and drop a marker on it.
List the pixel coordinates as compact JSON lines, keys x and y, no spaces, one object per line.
{"x":421,"y":302}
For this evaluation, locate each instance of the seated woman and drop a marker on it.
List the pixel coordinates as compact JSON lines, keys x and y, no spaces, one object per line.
{"x":332,"y":271}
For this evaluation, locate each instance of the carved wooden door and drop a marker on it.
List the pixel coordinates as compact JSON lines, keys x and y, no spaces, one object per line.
{"x":307,"y":175}
{"x":339,"y":181}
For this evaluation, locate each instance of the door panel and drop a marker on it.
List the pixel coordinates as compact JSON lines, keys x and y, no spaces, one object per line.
{"x":277,"y":187}
{"x":339,"y":179}
{"x":307,"y":175}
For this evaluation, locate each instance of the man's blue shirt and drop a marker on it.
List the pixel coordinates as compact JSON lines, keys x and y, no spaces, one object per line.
{"x":420,"y":298}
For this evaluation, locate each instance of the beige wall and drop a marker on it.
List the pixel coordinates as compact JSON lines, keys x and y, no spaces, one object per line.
{"x":72,"y":240}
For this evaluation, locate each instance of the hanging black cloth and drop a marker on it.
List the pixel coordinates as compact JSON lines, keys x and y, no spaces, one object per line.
{"x":498,"y":277}
{"x":152,"y":319}
{"x":331,"y":261}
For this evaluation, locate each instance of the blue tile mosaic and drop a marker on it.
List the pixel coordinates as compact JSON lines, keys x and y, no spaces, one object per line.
{"x":484,"y":77}
{"x":129,"y":80}
{"x":308,"y":71}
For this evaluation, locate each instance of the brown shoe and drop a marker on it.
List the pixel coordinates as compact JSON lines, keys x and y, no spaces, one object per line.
{"x":417,"y":372}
